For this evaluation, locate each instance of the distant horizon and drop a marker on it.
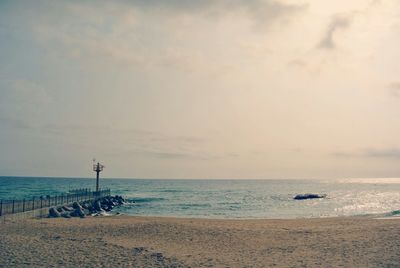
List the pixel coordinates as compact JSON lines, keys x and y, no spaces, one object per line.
{"x":346,"y":179}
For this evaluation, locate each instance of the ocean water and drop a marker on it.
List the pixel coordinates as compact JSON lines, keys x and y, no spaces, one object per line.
{"x":227,"y":198}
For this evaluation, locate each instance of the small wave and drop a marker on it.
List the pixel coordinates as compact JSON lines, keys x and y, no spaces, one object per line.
{"x":102,"y":214}
{"x":196,"y":205}
{"x":230,"y":203}
{"x":171,"y":191}
{"x":145,"y":199}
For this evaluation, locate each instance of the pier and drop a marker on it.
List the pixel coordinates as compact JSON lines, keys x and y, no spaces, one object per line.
{"x":38,"y":206}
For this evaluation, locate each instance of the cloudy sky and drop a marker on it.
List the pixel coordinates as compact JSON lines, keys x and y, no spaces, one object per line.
{"x":200,"y":89}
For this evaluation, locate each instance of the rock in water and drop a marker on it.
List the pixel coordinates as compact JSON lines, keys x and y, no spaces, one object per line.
{"x":309,"y":196}
{"x":120,"y":200}
{"x":53,"y":213}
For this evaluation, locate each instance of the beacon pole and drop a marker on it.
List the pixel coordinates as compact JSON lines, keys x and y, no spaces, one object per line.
{"x":97,"y":168}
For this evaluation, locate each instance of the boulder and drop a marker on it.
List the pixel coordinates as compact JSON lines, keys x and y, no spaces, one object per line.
{"x":80,"y":209}
{"x":78,"y":212}
{"x":97,"y":206}
{"x":65,"y":208}
{"x":76,"y":205}
{"x":53,"y":213}
{"x":86,"y":211}
{"x":65,"y":215}
{"x":108,"y":208}
{"x":119,"y":199}
{"x":308,"y":196}
{"x":86,"y":205}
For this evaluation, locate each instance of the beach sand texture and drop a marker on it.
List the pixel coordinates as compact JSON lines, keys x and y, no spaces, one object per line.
{"x":126,"y":241}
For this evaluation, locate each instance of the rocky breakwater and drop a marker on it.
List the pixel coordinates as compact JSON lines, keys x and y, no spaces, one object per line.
{"x":87,"y":208}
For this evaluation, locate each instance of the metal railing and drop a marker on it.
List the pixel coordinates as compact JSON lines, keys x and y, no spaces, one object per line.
{"x":17,"y":206}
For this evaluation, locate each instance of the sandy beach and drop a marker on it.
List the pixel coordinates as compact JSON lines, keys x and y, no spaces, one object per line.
{"x":126,"y":241}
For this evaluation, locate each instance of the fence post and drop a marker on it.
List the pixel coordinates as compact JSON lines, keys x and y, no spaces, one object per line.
{"x":23,"y":205}
{"x":33,"y":203}
{"x":12,"y":211}
{"x":1,"y":207}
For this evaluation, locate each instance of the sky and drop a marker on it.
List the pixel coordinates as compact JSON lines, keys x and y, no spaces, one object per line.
{"x":236,"y":89}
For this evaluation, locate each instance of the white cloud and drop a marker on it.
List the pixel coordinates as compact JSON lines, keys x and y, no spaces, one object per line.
{"x":156,"y":34}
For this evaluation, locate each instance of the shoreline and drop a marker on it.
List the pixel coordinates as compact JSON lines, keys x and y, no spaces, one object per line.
{"x":372,"y":216}
{"x":142,"y":241}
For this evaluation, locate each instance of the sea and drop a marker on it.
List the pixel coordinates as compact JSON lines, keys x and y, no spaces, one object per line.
{"x":227,"y":199}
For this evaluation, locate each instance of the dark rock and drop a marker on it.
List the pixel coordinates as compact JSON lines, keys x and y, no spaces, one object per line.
{"x":76,"y":205}
{"x":158,"y":256}
{"x":92,"y":209}
{"x":119,"y":199}
{"x":89,"y":207}
{"x":53,"y":213}
{"x":85,"y":205}
{"x":139,"y":250}
{"x":308,"y":196}
{"x":65,"y":208}
{"x":78,"y":212}
{"x":97,"y":206}
{"x":65,"y":215}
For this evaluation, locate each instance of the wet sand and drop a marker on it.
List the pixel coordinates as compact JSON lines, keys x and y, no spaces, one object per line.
{"x":123,"y":241}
